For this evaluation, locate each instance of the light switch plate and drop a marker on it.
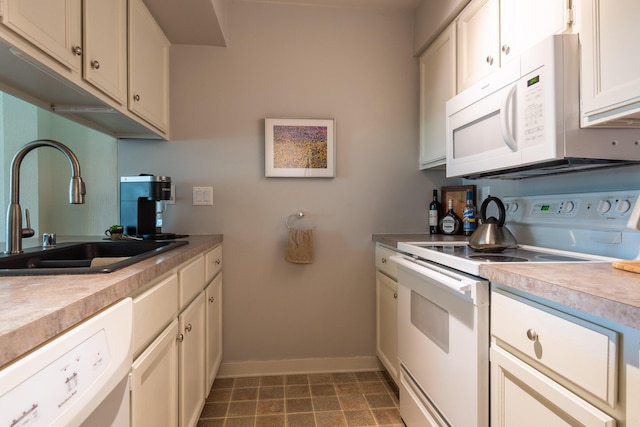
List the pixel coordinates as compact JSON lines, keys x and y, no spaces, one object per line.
{"x":202,"y":196}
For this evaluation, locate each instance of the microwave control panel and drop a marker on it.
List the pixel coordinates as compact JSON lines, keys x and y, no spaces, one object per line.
{"x":533,"y":108}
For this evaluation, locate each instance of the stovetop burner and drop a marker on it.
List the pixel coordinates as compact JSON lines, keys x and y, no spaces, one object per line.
{"x":497,"y":258}
{"x":508,"y":255}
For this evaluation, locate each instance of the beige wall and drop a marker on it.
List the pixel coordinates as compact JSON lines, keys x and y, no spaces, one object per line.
{"x":353,"y":65}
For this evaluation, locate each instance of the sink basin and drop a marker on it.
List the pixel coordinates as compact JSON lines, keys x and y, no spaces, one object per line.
{"x":83,"y":257}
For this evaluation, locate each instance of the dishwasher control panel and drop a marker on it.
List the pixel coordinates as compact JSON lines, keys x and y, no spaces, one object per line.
{"x":65,"y":380}
{"x":41,"y":398}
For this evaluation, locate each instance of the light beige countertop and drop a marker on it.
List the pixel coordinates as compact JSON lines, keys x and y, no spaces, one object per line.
{"x":35,"y":309}
{"x":594,"y":288}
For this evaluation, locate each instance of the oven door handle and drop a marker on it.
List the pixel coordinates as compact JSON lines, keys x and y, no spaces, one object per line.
{"x":445,"y":278}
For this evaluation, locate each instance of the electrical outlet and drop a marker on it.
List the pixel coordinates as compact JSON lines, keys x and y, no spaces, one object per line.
{"x":202,"y":196}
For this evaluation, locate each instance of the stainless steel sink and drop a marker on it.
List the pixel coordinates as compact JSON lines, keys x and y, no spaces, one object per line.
{"x":83,"y":257}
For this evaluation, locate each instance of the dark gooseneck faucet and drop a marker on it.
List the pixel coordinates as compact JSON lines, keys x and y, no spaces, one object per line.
{"x":14,"y":231}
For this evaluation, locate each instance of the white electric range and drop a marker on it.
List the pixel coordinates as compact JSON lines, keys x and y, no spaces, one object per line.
{"x":586,"y":227}
{"x":443,"y":303}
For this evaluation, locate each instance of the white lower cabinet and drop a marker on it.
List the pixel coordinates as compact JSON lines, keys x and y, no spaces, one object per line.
{"x":213,"y":314}
{"x":387,"y":323}
{"x":550,"y":368}
{"x":192,"y":362}
{"x":524,"y":397}
{"x":387,"y":311}
{"x":177,"y":325}
{"x":154,"y":382}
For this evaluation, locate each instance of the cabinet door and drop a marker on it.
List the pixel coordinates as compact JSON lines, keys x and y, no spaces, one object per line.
{"x":523,"y":23}
{"x":478,"y":41}
{"x":610,"y":82}
{"x":387,"y":324}
{"x":154,"y":382}
{"x":213,"y":263}
{"x":523,"y":397}
{"x":192,"y":362}
{"x":53,"y":25}
{"x":213,"y":295}
{"x":437,"y":85}
{"x":148,"y":67}
{"x":105,"y":46}
{"x":191,"y":279}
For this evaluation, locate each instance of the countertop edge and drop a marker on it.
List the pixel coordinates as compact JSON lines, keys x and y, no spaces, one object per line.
{"x":67,"y":300}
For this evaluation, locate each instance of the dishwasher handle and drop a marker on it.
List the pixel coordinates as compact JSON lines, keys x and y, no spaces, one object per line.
{"x":459,"y":283}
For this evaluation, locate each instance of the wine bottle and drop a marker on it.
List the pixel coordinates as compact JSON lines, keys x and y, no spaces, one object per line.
{"x":469,"y":216}
{"x":450,"y":222}
{"x":434,"y":214}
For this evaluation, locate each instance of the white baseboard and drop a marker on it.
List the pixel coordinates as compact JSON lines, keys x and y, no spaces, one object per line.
{"x":298,"y":366}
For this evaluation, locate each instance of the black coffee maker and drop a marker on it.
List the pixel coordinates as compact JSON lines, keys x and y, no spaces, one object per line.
{"x":139,"y":213}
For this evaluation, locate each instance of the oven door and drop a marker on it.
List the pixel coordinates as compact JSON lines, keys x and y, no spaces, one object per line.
{"x":443,"y":346}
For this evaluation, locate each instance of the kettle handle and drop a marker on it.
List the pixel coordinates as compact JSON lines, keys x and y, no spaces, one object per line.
{"x":501,"y":211}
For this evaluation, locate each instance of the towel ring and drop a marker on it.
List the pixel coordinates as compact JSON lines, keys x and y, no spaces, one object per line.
{"x":297,"y":215}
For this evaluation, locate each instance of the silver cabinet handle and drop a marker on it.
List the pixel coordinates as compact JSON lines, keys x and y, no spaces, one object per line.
{"x":211,"y":299}
{"x":136,"y":97}
{"x":395,"y":295}
{"x":95,"y":64}
{"x":218,"y":261}
{"x":383,"y":260}
{"x":77,"y":50}
{"x":532,"y":335}
{"x":490,"y":60}
{"x":188,"y":327}
{"x":506,"y":49}
{"x":180,"y":338}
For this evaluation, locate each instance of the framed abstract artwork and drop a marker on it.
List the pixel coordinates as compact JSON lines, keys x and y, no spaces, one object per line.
{"x":300,"y":148}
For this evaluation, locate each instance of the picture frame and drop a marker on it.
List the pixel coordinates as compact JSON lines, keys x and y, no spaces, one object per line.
{"x":459,"y":195}
{"x":299,"y":148}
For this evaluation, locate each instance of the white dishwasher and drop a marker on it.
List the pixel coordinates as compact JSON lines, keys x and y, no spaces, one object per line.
{"x":78,"y":378}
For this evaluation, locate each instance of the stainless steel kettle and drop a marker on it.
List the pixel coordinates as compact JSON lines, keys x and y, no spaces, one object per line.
{"x":492,"y":235}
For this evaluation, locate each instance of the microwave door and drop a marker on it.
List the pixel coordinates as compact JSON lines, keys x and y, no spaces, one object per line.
{"x":482,"y":136}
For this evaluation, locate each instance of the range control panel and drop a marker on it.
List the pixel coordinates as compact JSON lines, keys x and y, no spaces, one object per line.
{"x":610,"y":210}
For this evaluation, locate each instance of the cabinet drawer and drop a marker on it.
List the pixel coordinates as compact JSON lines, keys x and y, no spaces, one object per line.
{"x":153,"y":310}
{"x":213,"y":263}
{"x":191,"y":279}
{"x":579,"y":351}
{"x":384,"y":264}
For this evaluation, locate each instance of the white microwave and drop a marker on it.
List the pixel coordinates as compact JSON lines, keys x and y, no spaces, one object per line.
{"x":524,"y":120}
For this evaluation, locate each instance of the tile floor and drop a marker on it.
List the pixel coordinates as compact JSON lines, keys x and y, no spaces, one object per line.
{"x":307,"y":400}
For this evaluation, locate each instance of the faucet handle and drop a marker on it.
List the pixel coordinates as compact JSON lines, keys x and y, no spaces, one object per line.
{"x":28,"y":232}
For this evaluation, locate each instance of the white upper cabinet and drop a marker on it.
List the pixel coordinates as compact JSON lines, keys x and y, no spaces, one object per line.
{"x":53,"y":25}
{"x":610,"y":83}
{"x":478,"y":41}
{"x":105,"y":46}
{"x":526,"y":22}
{"x":437,"y":85}
{"x":148,"y":67}
{"x":491,"y":32}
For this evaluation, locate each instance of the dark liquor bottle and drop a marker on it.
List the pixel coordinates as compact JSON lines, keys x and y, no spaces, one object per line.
{"x":469,"y":216}
{"x":450,"y":222}
{"x":434,"y":214}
